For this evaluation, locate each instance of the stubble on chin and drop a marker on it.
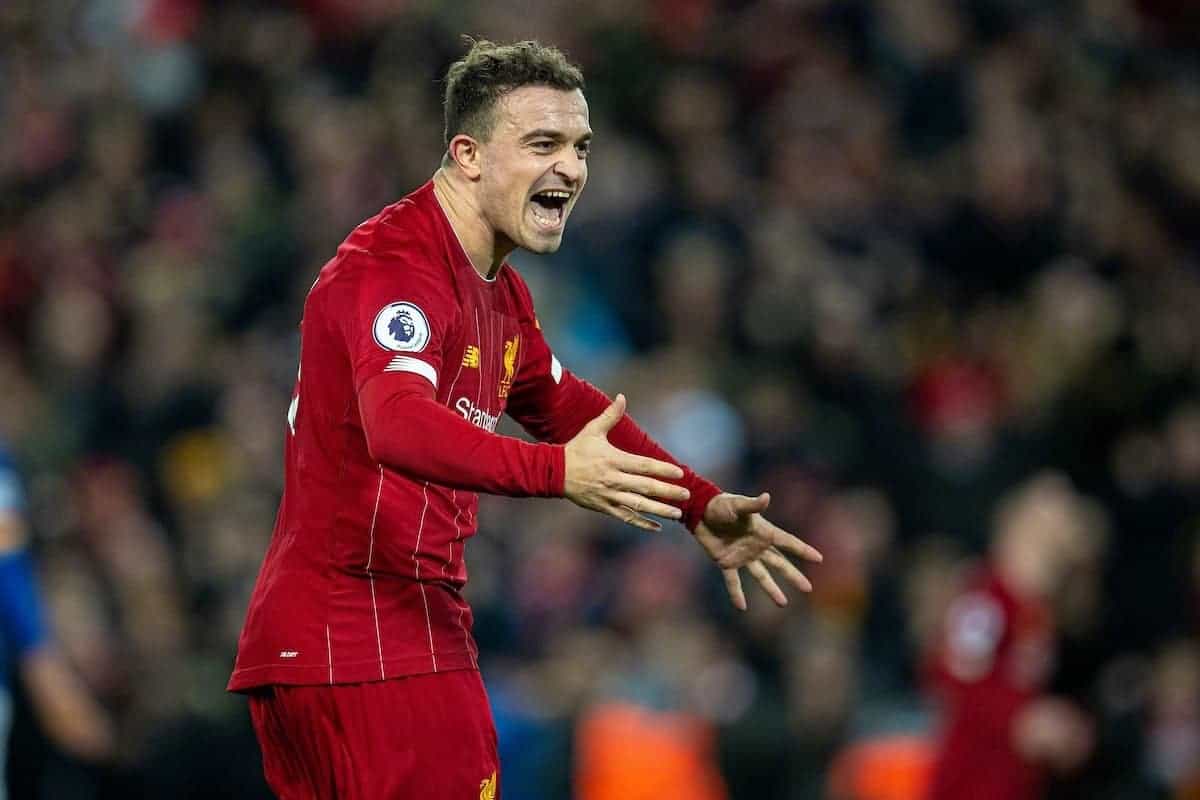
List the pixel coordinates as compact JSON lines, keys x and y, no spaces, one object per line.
{"x":544,"y":246}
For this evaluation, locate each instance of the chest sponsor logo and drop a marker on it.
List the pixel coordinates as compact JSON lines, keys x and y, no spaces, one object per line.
{"x":401,"y":327}
{"x":471,"y":357}
{"x":476,"y":416}
{"x":511,"y":348}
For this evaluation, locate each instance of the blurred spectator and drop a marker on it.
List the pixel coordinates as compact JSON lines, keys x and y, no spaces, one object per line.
{"x":1173,"y":746}
{"x":63,"y":705}
{"x":1001,"y":730}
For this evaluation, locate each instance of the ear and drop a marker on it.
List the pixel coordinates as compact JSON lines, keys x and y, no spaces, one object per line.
{"x":465,"y":152}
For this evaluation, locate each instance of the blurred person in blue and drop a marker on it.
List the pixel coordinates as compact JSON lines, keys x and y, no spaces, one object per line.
{"x":65,"y":709}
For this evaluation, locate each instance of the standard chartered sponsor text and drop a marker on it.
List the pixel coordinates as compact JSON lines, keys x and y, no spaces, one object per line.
{"x":477,"y":416}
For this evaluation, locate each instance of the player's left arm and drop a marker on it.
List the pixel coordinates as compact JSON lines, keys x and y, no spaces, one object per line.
{"x":553,"y":405}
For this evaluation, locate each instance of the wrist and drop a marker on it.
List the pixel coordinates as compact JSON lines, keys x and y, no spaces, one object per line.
{"x":702,"y":492}
{"x":554,"y":469}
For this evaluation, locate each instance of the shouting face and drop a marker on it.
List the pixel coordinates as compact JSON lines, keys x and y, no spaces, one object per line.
{"x":534,"y":165}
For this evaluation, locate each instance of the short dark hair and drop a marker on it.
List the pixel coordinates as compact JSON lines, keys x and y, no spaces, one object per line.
{"x":477,"y":81}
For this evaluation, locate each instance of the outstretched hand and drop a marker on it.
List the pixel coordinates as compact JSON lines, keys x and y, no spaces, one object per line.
{"x":603,"y":478}
{"x":735,"y":534}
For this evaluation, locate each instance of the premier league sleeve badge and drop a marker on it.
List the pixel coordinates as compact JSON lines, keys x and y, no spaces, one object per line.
{"x":401,"y":327}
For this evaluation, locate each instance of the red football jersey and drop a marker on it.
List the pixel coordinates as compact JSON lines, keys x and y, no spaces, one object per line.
{"x":363,"y":575}
{"x":995,"y":656}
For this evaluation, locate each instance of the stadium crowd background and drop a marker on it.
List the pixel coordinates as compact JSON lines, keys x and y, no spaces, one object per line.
{"x":884,"y":258}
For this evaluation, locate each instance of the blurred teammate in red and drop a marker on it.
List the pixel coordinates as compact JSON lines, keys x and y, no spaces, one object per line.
{"x":1001,"y":732}
{"x":357,"y":650}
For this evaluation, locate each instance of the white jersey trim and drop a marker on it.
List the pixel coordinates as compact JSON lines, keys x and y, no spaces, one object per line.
{"x":417,"y":574}
{"x":329,"y":652}
{"x":415,"y":366}
{"x":371,"y":577}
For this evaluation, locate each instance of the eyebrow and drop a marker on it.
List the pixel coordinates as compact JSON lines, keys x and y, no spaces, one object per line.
{"x":558,"y":136}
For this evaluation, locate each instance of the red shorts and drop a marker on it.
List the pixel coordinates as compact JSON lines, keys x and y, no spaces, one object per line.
{"x":425,"y":737}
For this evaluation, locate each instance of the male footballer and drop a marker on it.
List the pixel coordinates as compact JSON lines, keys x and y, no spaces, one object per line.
{"x":357,"y":651}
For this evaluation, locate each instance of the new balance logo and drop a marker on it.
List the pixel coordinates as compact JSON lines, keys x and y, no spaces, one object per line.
{"x":471,"y":357}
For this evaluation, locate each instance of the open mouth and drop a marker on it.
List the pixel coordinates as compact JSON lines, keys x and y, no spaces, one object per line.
{"x":549,"y":207}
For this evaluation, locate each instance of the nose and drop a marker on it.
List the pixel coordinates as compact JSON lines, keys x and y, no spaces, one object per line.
{"x":571,"y":168}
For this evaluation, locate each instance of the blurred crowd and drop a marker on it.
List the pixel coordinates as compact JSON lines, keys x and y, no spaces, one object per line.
{"x":886,"y":259}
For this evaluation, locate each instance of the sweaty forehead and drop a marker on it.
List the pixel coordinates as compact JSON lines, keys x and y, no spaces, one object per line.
{"x":543,"y":108}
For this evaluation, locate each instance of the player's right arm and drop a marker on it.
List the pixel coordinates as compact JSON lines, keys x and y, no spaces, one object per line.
{"x":400,"y":317}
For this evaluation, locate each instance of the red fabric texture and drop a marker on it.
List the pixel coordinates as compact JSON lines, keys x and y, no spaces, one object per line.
{"x":426,"y":736}
{"x":409,"y":431}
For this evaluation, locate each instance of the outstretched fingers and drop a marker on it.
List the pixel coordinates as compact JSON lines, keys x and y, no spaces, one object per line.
{"x":758,"y":569}
{"x":644,"y":505}
{"x":733,"y":585}
{"x":791,"y":544}
{"x":780,"y":563}
{"x":631,"y":517}
{"x":648,"y":487}
{"x":763,"y":576}
{"x":644,"y":465}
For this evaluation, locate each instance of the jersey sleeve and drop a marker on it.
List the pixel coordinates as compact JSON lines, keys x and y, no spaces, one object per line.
{"x":408,"y":431}
{"x":395,"y":316}
{"x":554,"y":405}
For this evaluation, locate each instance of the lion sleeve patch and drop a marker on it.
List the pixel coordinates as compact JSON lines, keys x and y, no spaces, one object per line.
{"x":401,"y":327}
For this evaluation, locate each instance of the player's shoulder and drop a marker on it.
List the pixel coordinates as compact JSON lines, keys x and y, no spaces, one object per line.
{"x":407,"y":229}
{"x":397,"y":248}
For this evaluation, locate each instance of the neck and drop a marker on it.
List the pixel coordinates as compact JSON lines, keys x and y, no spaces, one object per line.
{"x":460,"y":202}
